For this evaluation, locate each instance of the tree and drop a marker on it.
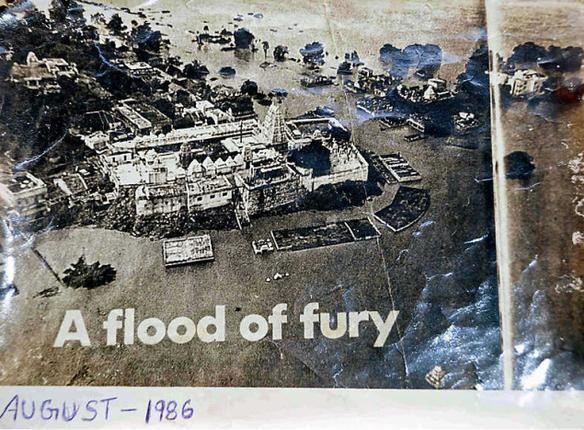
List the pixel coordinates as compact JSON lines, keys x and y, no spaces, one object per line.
{"x":89,"y":276}
{"x":280,"y":53}
{"x":250,"y":88}
{"x":146,"y":38}
{"x":58,"y":10}
{"x":115,"y":24}
{"x":265,"y":47}
{"x":243,"y":38}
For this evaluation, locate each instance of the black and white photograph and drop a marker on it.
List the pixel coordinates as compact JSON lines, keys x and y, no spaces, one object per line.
{"x":335,"y":194}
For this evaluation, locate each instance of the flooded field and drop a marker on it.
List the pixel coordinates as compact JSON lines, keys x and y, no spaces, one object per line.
{"x":376,"y":274}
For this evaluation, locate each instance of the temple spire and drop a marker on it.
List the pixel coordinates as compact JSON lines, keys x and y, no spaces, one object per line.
{"x":274,"y":130}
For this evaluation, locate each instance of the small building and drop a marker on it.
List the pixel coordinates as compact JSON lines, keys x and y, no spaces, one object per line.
{"x":160,"y":199}
{"x":346,"y":164}
{"x":187,"y":250}
{"x":270,"y":186}
{"x":525,"y":82}
{"x":209,"y":193}
{"x":370,"y":83}
{"x":418,"y":123}
{"x":437,"y":83}
{"x":26,"y":194}
{"x":262,"y":246}
{"x":399,"y":168}
{"x":142,"y":118}
{"x":464,"y":121}
{"x":132,"y":119}
{"x":138,"y":69}
{"x":435,"y":377}
{"x":6,"y":53}
{"x":124,"y":175}
{"x":42,"y":75}
{"x":436,"y":90}
{"x":72,"y":185}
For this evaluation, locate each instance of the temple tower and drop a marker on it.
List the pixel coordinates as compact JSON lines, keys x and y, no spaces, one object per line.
{"x":274,"y":130}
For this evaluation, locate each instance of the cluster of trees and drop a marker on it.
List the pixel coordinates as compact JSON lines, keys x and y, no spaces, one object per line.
{"x":424,"y":59}
{"x":474,"y":81}
{"x":550,"y":60}
{"x":313,"y":54}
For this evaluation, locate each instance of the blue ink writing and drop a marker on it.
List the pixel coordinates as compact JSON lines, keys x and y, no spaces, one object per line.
{"x":18,"y":409}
